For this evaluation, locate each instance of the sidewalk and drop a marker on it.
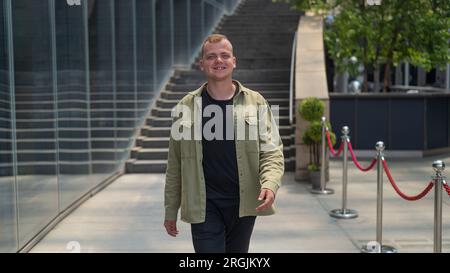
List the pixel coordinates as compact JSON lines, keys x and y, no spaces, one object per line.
{"x":127,"y":216}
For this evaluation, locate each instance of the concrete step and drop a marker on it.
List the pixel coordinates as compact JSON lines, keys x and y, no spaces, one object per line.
{"x":159,"y":166}
{"x":272,"y":74}
{"x":248,"y":76}
{"x":148,"y":131}
{"x":150,"y":153}
{"x":251,"y":19}
{"x":256,"y":13}
{"x":164,"y":122}
{"x":258,"y":63}
{"x":255,"y":29}
{"x":162,"y":153}
{"x":166,"y":113}
{"x":162,"y":112}
{"x":145,"y":166}
{"x":242,"y":38}
{"x":254,"y":86}
{"x":152,"y":142}
{"x":158,"y":121}
{"x":163,"y":103}
{"x":171,"y":95}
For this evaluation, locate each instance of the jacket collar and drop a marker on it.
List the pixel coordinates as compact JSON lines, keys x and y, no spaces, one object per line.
{"x":198,"y":92}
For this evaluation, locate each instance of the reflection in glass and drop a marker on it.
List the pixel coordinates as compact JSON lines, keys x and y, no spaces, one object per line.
{"x":35,"y":117}
{"x":80,"y":94}
{"x":196,"y":24}
{"x":126,"y":59}
{"x":181,"y":32}
{"x":103,"y":93}
{"x":164,"y":33}
{"x":73,"y":108}
{"x":8,"y":223}
{"x":145,"y":48}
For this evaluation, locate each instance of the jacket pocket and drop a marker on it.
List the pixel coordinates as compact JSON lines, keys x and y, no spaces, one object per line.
{"x":251,"y":134}
{"x":187,"y":146}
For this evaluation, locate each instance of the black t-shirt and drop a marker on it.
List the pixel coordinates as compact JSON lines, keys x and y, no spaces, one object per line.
{"x":219,"y":154}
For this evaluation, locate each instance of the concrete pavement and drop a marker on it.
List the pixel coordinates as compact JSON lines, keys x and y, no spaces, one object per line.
{"x":127,"y":216}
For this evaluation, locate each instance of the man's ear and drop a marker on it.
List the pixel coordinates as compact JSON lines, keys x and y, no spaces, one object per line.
{"x":201,"y":64}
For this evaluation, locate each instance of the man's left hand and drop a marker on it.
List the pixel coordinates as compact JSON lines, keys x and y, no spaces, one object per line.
{"x":268,"y":196}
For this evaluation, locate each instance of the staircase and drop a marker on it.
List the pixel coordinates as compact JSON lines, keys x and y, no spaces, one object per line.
{"x":261,"y":33}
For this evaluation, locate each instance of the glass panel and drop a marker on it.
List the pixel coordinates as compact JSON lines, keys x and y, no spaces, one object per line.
{"x":125,"y":69}
{"x":8,"y":223}
{"x":73,"y":127}
{"x":102,"y":90}
{"x":146,"y":85}
{"x":163,"y":38}
{"x":196,"y":25}
{"x":181,"y":48}
{"x":209,"y":17}
{"x":35,"y":117}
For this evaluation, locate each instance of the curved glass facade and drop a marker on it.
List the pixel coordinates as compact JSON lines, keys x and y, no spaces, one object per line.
{"x":77,"y":78}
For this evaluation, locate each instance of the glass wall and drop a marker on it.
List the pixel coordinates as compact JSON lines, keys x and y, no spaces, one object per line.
{"x":8,"y":220}
{"x":77,"y":78}
{"x":36,"y":124}
{"x":72,"y":94}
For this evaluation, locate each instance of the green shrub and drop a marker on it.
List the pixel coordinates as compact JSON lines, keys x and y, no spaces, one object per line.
{"x":312,"y":109}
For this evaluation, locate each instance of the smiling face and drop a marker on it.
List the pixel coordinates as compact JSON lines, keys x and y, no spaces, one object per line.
{"x":218,"y":61}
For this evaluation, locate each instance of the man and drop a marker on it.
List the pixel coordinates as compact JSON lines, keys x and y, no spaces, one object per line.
{"x":220,"y":176}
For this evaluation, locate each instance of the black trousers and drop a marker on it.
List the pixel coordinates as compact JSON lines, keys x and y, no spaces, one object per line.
{"x":223,"y":231}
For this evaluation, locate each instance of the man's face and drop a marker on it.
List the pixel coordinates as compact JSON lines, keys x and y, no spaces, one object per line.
{"x":218,"y":61}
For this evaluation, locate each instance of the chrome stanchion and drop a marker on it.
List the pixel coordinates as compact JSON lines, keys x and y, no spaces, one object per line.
{"x":344,"y":213}
{"x":438,"y":167}
{"x":384,"y":248}
{"x":322,"y":189}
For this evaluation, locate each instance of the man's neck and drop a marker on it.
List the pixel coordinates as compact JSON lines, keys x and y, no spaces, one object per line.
{"x":223,"y":90}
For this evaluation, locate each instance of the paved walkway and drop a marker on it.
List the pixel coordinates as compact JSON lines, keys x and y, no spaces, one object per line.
{"x":127,"y":216}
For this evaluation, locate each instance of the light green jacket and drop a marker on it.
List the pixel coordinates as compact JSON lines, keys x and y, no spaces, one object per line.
{"x":260,"y":160}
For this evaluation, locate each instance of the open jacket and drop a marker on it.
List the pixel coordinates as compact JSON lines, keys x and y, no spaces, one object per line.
{"x":260,"y":159}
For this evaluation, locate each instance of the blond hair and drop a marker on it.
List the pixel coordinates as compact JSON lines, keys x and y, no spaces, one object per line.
{"x":214,"y":38}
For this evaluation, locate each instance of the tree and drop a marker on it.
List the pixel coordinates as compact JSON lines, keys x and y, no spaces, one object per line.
{"x":414,"y":31}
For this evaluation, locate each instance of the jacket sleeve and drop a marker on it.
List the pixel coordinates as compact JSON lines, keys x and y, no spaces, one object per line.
{"x":271,"y":158}
{"x":172,"y":189}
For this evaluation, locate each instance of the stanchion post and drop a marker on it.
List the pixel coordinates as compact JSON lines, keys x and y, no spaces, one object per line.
{"x":438,"y":167}
{"x":322,"y":189}
{"x":383,"y":248}
{"x":344,"y":213}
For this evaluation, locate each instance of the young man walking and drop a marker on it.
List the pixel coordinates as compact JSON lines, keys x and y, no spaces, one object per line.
{"x":226,"y":164}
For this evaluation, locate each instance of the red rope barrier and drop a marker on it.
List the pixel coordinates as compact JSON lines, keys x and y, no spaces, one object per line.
{"x":374,"y":161}
{"x":330,"y":145}
{"x":404,"y":196}
{"x":447,"y":189}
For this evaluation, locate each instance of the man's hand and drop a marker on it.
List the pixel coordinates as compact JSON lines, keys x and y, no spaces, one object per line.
{"x":171,"y":227}
{"x":268,"y":196}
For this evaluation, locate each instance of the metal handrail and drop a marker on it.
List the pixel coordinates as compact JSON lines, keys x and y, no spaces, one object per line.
{"x":291,"y":84}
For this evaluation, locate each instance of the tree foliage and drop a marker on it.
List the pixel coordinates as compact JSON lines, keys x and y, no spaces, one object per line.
{"x":414,"y":31}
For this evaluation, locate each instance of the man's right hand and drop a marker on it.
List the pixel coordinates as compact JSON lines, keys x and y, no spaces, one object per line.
{"x":171,"y":227}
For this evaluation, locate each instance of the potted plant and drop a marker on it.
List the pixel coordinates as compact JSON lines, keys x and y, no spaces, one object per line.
{"x":312,"y":109}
